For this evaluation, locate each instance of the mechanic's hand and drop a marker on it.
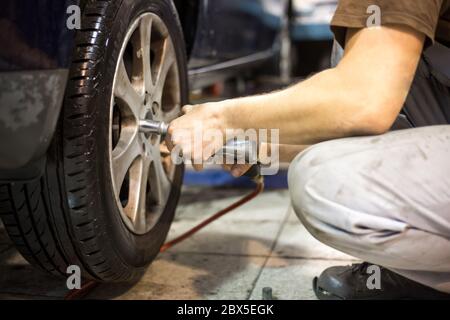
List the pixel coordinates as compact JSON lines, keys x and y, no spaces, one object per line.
{"x":237,"y":170}
{"x":199,"y":133}
{"x":264,"y":148}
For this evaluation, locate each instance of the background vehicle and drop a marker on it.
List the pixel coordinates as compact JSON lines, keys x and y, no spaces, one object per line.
{"x":80,"y":184}
{"x":312,"y":39}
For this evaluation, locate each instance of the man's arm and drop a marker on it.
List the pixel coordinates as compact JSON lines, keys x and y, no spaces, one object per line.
{"x":361,"y":96}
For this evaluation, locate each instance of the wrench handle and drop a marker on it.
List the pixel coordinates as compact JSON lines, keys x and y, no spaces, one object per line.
{"x":247,"y":150}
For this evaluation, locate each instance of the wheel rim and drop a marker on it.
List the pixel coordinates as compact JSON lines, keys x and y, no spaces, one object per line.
{"x":146,"y":86}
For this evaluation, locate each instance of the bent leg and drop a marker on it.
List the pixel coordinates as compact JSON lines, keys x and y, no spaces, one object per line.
{"x":383,"y":199}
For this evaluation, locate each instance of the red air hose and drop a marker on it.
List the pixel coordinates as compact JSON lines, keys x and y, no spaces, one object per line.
{"x":259,"y":188}
{"x":91,"y":285}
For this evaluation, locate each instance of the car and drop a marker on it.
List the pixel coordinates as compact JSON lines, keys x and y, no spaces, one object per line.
{"x":311,"y":20}
{"x":80,"y":183}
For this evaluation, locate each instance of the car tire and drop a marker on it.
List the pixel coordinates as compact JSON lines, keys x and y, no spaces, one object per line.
{"x":73,"y":214}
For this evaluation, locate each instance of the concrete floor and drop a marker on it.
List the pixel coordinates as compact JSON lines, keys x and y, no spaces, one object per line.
{"x":261,"y":244}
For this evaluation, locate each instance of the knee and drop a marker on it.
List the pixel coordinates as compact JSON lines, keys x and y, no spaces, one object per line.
{"x":336,"y":192}
{"x":313,"y":185}
{"x":305,"y":179}
{"x":299,"y":174}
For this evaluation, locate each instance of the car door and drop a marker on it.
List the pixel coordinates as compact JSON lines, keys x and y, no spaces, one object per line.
{"x":233,"y":29}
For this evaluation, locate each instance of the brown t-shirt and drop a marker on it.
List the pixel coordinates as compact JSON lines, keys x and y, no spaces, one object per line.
{"x":431,"y":17}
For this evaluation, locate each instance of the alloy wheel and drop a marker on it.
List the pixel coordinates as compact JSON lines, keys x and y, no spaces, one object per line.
{"x":146,"y":86}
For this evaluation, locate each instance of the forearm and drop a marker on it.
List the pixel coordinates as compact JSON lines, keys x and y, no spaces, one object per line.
{"x":362,"y":96}
{"x":286,"y":152}
{"x":320,"y":108}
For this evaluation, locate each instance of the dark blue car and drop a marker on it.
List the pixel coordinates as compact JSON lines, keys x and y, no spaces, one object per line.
{"x":80,"y":182}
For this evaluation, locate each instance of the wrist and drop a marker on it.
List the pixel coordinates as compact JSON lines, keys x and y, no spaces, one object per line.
{"x":230,"y":114}
{"x":224,"y":115}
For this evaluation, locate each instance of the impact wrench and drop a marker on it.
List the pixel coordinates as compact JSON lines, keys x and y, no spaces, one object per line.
{"x":233,"y":149}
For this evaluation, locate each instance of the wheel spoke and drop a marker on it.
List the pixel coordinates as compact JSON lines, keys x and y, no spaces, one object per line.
{"x":172,"y":114}
{"x":143,"y":47}
{"x":136,"y":209}
{"x":160,"y":184}
{"x":165,"y":60}
{"x":123,"y":155}
{"x":125,"y":91}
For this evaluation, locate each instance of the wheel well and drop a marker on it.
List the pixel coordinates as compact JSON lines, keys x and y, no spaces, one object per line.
{"x":188,"y":12}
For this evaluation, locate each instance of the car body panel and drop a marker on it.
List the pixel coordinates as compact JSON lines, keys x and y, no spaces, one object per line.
{"x":34,"y":35}
{"x":232,"y":29}
{"x":30,"y":103}
{"x":34,"y":62}
{"x":233,"y":34}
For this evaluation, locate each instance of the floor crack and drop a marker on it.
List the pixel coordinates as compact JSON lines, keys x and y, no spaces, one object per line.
{"x":266,"y":260}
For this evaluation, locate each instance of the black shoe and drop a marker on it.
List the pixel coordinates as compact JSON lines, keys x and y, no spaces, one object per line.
{"x":350,"y":283}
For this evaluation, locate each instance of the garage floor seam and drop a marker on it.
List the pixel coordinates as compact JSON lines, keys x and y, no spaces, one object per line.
{"x":266,"y":260}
